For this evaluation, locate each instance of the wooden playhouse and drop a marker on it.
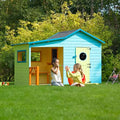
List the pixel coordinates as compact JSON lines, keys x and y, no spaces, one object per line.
{"x":33,"y":59}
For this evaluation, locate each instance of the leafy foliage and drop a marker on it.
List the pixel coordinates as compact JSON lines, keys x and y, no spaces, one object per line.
{"x":6,"y":63}
{"x":25,"y":21}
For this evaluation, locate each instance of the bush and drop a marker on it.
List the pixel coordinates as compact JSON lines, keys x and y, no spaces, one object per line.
{"x":7,"y":64}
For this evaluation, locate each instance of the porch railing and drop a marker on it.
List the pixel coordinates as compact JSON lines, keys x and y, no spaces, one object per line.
{"x":34,"y":70}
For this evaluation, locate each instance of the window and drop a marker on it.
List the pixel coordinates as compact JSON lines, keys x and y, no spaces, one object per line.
{"x":35,"y":56}
{"x":54,"y":53}
{"x":82,"y":56}
{"x":21,"y":56}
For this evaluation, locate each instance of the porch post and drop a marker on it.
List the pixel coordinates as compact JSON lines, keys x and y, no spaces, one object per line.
{"x":37,"y":75}
{"x":30,"y":76}
{"x":29,"y":56}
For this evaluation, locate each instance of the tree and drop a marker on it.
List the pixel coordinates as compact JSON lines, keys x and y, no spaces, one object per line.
{"x":32,"y":31}
{"x":12,"y":11}
{"x":7,"y":64}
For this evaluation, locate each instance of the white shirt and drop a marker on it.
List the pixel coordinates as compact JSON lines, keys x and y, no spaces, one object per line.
{"x":56,"y":77}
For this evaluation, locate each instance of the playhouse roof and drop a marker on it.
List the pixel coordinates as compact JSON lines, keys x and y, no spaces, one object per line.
{"x":62,"y":36}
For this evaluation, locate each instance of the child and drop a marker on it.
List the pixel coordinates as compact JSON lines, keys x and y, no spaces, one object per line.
{"x":77,"y":76}
{"x":55,"y":73}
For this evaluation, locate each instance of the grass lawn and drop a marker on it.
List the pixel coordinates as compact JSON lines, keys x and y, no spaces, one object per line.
{"x":93,"y":102}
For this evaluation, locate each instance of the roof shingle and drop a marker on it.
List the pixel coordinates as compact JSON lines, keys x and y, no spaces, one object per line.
{"x":62,"y":34}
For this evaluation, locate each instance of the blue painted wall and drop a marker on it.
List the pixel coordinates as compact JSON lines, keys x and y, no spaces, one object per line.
{"x":69,"y":50}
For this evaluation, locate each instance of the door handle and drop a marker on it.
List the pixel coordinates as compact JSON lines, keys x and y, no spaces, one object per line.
{"x":89,"y":65}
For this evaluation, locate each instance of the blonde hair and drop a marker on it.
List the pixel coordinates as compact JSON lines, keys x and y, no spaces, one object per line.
{"x":78,"y":66}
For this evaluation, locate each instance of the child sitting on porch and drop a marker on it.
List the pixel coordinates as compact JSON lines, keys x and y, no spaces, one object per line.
{"x":77,"y":76}
{"x":55,"y":73}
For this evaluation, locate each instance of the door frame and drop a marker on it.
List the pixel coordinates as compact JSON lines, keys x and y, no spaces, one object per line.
{"x":89,"y":59}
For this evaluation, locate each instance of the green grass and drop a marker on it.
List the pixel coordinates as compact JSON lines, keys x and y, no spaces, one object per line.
{"x":93,"y":102}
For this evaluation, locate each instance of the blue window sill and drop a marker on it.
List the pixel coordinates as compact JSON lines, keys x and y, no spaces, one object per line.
{"x":21,"y":61}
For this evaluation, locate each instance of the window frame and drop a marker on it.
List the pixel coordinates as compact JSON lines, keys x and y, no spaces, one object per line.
{"x":37,"y":52}
{"x":25,"y":56}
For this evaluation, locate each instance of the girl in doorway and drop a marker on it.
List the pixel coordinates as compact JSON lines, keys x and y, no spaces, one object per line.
{"x":77,"y":76}
{"x":55,"y":73}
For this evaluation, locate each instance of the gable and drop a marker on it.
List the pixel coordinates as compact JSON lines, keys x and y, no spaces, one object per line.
{"x":79,"y":39}
{"x":66,"y":34}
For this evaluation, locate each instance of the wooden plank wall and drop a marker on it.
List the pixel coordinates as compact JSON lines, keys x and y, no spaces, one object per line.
{"x":69,"y":50}
{"x":21,"y":69}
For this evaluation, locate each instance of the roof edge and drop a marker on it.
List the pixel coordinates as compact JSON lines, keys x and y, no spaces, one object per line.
{"x":62,"y":38}
{"x":40,"y":41}
{"x":26,"y":43}
{"x":92,"y":36}
{"x":80,"y":30}
{"x":47,"y":40}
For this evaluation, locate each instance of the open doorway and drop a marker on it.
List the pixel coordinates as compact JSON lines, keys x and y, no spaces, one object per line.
{"x":42,"y":57}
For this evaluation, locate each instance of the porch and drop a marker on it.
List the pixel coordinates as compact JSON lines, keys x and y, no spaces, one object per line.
{"x":41,"y":64}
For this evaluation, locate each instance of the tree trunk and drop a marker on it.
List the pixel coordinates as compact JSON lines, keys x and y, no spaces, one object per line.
{"x":92,"y":8}
{"x":101,"y":4}
{"x":83,"y":12}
